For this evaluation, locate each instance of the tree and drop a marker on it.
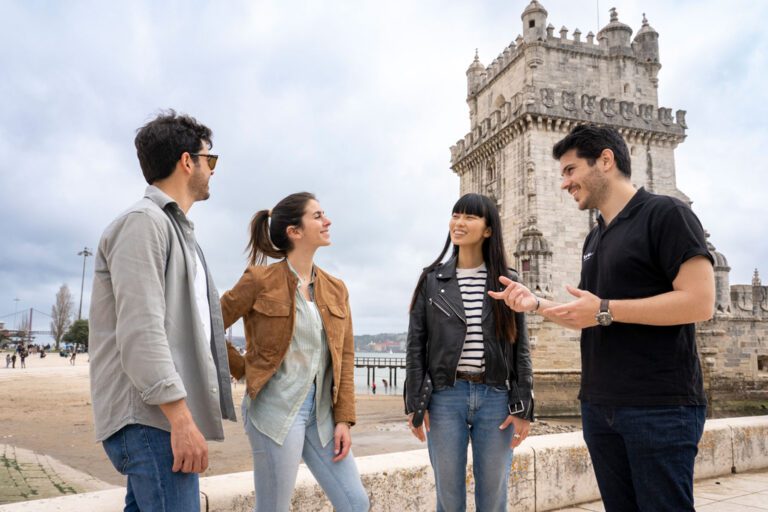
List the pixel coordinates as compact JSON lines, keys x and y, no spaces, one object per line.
{"x":61,"y":314}
{"x":78,"y":333}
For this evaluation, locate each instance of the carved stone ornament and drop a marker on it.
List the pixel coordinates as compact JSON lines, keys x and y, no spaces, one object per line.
{"x":627,"y":109}
{"x":680,"y":118}
{"x":588,"y":103}
{"x":665,"y":116}
{"x":646,"y":112}
{"x":607,"y":106}
{"x":569,"y":100}
{"x":548,"y":97}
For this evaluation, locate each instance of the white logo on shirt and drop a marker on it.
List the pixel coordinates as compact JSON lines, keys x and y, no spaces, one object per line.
{"x":588,"y":255}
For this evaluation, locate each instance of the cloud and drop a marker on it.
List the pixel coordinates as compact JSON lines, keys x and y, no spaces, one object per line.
{"x":355,"y":101}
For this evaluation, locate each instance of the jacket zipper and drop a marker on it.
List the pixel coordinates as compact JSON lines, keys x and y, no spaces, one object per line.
{"x":454,"y":311}
{"x":434,"y":303}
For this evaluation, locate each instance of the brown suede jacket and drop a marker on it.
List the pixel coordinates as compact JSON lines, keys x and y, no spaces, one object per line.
{"x":265,"y":298}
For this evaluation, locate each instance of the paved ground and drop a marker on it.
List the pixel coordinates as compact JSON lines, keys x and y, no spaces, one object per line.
{"x":26,"y":475}
{"x":745,"y":492}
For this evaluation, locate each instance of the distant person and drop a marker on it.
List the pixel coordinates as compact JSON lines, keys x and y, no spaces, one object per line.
{"x":384,"y":381}
{"x":468,"y":362}
{"x":300,"y":360}
{"x":159,"y":372}
{"x":72,"y":357}
{"x":646,"y":278}
{"x":373,"y":387}
{"x":7,"y":360}
{"x":13,"y":361}
{"x":23,"y":357}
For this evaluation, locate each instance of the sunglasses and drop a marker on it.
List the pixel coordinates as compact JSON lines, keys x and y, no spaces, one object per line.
{"x":212,"y":159}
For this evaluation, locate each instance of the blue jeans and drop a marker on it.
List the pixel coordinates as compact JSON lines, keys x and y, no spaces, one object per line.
{"x":456,"y":415}
{"x":643,"y":456}
{"x":144,"y":455}
{"x":275,"y":467}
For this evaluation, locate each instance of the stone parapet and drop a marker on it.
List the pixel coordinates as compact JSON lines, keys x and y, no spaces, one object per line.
{"x":548,"y":473}
{"x":560,"y":110}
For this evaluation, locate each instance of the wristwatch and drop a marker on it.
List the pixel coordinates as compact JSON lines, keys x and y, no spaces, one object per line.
{"x":604,"y":317}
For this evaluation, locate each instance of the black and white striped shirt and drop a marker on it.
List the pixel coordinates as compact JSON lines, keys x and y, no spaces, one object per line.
{"x":472,"y":285}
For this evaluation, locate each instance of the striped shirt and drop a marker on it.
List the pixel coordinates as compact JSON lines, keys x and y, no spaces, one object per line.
{"x":472,"y":285}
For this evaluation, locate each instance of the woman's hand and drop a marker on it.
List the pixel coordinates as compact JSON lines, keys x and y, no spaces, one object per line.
{"x":521,"y":429}
{"x":420,"y":431}
{"x":342,"y":441}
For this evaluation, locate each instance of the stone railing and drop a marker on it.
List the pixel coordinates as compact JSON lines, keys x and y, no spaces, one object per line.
{"x":549,"y":472}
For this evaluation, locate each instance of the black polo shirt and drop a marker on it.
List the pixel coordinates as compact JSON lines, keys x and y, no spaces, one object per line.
{"x":639,"y":255}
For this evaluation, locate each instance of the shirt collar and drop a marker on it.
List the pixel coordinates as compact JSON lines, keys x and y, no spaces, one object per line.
{"x":290,"y":267}
{"x":163,"y":200}
{"x":640,"y":197}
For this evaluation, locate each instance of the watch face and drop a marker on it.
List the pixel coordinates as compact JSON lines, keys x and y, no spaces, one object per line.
{"x":604,"y":318}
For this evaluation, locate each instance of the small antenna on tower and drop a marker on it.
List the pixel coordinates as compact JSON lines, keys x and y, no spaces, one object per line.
{"x":597,"y":2}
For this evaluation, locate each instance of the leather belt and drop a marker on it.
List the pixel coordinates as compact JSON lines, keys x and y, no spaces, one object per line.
{"x":476,"y":377}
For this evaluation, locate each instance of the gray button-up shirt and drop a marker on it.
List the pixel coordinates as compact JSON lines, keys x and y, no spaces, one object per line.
{"x":147,"y":343}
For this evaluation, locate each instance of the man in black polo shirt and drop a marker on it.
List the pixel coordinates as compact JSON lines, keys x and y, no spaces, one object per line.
{"x":646,"y":278}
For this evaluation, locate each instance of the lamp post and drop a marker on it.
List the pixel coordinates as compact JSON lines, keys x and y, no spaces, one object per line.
{"x":15,"y":311}
{"x":84,"y":253}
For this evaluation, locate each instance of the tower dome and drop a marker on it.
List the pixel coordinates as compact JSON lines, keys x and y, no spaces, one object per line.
{"x":616,"y":35}
{"x":534,"y":20}
{"x":534,"y":257}
{"x":722,"y":279}
{"x":646,"y":44}
{"x":475,"y":73}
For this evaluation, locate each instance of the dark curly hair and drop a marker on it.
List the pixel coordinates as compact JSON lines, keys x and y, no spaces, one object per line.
{"x":590,"y":140}
{"x":161,"y":142}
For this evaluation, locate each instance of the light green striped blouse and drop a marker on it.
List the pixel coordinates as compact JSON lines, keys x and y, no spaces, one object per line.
{"x":308,"y":360}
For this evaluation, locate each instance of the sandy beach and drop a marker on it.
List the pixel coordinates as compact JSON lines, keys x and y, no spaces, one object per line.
{"x":46,"y":409}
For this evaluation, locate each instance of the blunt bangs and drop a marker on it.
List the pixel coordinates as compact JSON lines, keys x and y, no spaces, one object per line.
{"x":472,"y":204}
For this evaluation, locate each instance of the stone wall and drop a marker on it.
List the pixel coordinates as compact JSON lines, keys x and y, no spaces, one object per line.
{"x":548,"y":473}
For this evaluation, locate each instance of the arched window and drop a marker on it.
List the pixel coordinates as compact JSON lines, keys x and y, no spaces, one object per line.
{"x":626,"y":88}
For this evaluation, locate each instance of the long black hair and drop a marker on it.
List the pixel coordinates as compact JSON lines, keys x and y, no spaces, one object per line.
{"x":493,"y":256}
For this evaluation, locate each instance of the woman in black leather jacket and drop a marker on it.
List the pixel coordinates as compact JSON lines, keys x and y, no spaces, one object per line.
{"x":468,"y":364}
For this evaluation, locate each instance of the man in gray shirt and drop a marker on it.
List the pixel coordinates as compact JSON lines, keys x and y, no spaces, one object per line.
{"x":159,"y":370}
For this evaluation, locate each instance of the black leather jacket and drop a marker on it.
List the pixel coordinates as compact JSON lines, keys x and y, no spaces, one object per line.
{"x":436,"y":335}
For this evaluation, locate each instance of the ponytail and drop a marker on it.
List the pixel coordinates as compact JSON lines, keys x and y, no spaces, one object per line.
{"x":260,"y":245}
{"x":269,"y":238}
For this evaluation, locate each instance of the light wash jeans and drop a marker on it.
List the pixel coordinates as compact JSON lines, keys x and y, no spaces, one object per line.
{"x":456,"y":415}
{"x":144,"y":455}
{"x":275,"y":467}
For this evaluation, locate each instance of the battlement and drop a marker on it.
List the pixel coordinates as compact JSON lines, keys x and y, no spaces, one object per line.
{"x":612,"y":41}
{"x":562,"y":109}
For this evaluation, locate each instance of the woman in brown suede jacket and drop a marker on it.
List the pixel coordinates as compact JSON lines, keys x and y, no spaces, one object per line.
{"x":299,"y":362}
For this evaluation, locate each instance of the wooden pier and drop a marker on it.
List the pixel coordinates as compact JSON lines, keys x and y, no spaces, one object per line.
{"x":392,"y":364}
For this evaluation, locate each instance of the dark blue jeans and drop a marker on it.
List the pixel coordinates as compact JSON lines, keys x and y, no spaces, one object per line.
{"x":144,"y":455}
{"x":643,"y":456}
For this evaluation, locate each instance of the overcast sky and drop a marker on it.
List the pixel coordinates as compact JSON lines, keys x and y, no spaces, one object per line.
{"x":355,"y":101}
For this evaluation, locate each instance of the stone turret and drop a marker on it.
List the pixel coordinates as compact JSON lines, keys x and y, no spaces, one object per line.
{"x":616,"y":35}
{"x":757,"y":295}
{"x":533,"y":258}
{"x":534,"y":22}
{"x":722,"y":279}
{"x":646,"y":47}
{"x":475,"y":73}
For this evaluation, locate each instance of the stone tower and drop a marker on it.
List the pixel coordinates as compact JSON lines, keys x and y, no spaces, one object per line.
{"x":520,"y":105}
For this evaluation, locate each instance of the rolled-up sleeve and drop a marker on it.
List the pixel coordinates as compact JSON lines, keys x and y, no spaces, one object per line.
{"x":136,"y":258}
